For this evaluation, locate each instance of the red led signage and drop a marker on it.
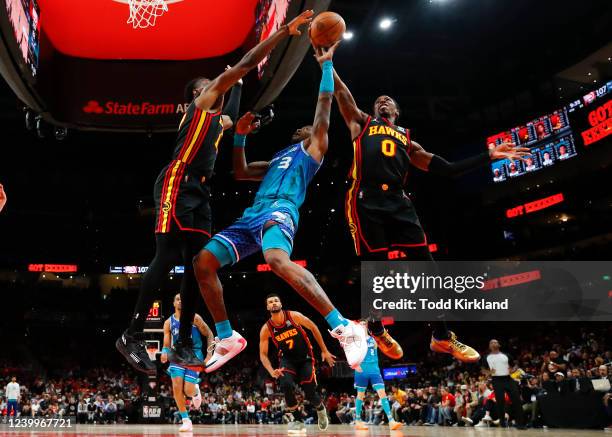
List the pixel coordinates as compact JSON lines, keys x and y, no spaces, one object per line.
{"x":534,"y":206}
{"x":600,"y":120}
{"x":267,"y":268}
{"x":53,"y":268}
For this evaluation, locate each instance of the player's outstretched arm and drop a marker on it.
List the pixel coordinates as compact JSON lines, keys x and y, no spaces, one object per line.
{"x":219,"y":86}
{"x":167,"y":342}
{"x":435,"y":164}
{"x":318,"y":138}
{"x":354,"y":117}
{"x":243,"y":171}
{"x":309,"y":324}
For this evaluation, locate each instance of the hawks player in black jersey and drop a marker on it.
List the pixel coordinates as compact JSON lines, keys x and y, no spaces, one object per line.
{"x":183,"y":217}
{"x":380,"y":215}
{"x":295,"y":358}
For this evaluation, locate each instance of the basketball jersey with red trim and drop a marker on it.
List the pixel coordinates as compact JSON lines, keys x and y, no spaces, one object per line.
{"x":290,"y":339}
{"x":381,"y":155}
{"x":198,"y":140}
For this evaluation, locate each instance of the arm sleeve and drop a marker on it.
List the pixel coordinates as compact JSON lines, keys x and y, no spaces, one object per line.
{"x":442,"y":167}
{"x":233,"y":103}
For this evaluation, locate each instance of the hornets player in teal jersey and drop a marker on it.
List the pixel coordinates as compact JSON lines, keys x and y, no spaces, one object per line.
{"x":270,"y":224}
{"x":370,"y":374}
{"x":184,"y":380}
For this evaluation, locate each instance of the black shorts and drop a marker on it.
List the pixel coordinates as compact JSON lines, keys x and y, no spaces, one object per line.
{"x":181,"y":201}
{"x":380,"y":221}
{"x":301,"y":372}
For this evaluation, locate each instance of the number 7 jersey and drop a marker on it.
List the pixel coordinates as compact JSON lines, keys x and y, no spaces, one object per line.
{"x":381,"y":155}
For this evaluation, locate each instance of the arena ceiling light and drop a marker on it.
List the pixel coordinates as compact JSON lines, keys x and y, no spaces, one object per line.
{"x":348,"y":35}
{"x":386,"y":23}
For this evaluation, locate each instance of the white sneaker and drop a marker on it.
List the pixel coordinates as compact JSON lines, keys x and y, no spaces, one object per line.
{"x":187,"y":426}
{"x":353,"y":340}
{"x":225,"y":350}
{"x":487,"y":418}
{"x":197,"y":399}
{"x":481,"y":425}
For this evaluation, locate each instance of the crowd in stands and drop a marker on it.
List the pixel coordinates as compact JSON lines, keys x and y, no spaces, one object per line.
{"x":451,"y":395}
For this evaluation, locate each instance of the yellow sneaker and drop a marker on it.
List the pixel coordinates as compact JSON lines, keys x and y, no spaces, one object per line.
{"x":393,"y":425}
{"x":388,"y":345}
{"x":360,"y":426}
{"x":452,"y":346}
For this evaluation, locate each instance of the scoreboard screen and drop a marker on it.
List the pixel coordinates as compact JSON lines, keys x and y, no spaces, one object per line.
{"x":557,"y":136}
{"x":24,"y":17}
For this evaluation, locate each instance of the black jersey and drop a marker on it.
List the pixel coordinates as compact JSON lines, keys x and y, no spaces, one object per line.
{"x":290,"y":339}
{"x":198,"y":140}
{"x":381,"y":155}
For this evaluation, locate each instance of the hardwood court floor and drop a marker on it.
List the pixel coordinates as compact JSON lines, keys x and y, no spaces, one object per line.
{"x":281,"y":430}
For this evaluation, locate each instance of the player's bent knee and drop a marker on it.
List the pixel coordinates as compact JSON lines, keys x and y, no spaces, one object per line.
{"x":204,"y":264}
{"x":277,"y":260}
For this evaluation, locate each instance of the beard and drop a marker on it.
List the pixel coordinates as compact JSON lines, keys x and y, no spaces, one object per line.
{"x":276,"y":310}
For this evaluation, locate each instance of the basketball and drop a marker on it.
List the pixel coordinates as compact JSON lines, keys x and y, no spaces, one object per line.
{"x":326,"y":29}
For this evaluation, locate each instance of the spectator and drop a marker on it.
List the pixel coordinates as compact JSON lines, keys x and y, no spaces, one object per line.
{"x":447,"y":405}
{"x":13,"y":392}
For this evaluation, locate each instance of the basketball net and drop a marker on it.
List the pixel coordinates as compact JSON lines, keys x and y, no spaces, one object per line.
{"x":144,"y":13}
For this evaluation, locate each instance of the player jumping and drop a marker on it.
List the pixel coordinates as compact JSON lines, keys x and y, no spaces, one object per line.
{"x":296,"y":359}
{"x":380,"y":215}
{"x":185,"y":381}
{"x":370,"y":374}
{"x":182,"y":192}
{"x":270,"y":224}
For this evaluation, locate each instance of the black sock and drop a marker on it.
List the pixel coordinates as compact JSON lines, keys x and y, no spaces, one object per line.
{"x":440,"y":331}
{"x":166,"y":252}
{"x":376,"y":327}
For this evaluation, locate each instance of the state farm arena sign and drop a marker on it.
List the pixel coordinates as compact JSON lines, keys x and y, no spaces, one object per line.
{"x":114,"y":108}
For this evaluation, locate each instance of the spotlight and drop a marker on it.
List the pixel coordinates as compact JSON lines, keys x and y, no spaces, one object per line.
{"x":348,"y":35}
{"x":385,"y":23}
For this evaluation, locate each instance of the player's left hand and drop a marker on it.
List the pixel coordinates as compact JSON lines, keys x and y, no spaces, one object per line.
{"x":303,"y":18}
{"x":508,"y":150}
{"x":246,"y":124}
{"x":329,"y":358}
{"x":323,"y":54}
{"x":163,"y":358}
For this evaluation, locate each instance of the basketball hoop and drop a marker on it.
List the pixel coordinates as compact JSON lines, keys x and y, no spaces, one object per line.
{"x":144,"y":13}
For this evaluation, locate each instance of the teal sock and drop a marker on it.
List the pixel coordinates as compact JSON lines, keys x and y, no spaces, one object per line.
{"x":184,"y":414}
{"x":358,"y":408}
{"x":335,"y":319}
{"x":387,"y":408}
{"x":224,"y":329}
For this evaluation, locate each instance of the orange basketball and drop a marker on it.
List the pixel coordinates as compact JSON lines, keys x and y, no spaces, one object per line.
{"x":326,"y":29}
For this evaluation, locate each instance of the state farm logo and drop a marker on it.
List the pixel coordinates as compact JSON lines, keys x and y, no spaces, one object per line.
{"x":93,"y":107}
{"x":134,"y":109}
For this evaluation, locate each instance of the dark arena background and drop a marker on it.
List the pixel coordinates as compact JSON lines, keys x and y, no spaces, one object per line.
{"x":89,"y":110}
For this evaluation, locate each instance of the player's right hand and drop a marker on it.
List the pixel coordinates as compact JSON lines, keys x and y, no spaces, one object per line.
{"x":323,"y":54}
{"x":163,"y":358}
{"x":303,"y":18}
{"x":277,"y":373}
{"x":246,"y":124}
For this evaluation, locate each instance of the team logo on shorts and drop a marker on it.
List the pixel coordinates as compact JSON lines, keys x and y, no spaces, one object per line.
{"x":283,"y":218}
{"x":166,"y":206}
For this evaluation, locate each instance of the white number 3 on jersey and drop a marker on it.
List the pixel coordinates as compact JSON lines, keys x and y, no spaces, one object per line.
{"x":284,"y":163}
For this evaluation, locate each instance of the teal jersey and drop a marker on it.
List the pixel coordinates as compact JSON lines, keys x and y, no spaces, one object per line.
{"x":195,"y":335}
{"x":288,"y":176}
{"x":370,"y":362}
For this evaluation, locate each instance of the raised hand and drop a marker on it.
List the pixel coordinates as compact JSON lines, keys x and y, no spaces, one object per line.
{"x":303,"y":18}
{"x":246,"y":124}
{"x":508,"y":150}
{"x":323,"y":54}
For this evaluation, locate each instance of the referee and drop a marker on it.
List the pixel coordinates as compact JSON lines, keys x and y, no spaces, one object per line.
{"x":500,"y":370}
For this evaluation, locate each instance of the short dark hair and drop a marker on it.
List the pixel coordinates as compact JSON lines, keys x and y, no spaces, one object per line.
{"x":271,"y":295}
{"x":191,"y":85}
